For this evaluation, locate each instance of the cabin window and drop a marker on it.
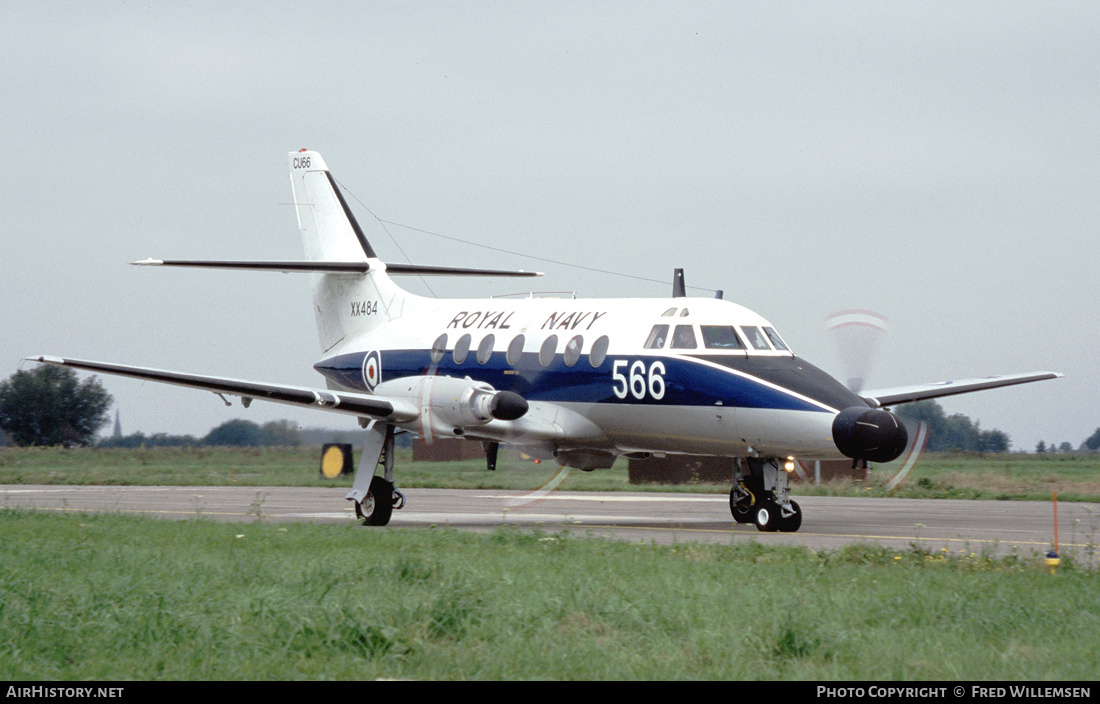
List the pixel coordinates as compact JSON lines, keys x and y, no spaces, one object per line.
{"x":777,"y":341}
{"x":546,"y":353}
{"x":439,"y":348}
{"x":573,"y":350}
{"x":485,"y":349}
{"x":756,"y":338}
{"x":721,"y":337}
{"x":462,"y":348}
{"x":657,"y":337}
{"x":598,"y":353}
{"x":515,"y":350}
{"x":683,"y":338}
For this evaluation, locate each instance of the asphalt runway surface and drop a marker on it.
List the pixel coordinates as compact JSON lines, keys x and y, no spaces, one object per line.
{"x":959,"y":526}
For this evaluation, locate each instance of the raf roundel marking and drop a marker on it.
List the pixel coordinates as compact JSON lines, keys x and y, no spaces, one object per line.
{"x":372,"y":370}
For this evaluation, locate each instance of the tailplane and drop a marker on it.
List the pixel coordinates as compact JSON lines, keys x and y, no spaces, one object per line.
{"x":352,"y":289}
{"x":347,"y":304}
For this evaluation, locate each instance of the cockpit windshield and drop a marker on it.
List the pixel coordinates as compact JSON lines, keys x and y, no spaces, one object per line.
{"x":657,"y":337}
{"x":683,"y":338}
{"x":756,"y":338}
{"x":777,"y":341}
{"x":721,"y":337}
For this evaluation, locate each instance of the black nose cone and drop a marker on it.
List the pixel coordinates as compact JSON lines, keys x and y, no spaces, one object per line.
{"x":870,"y":434}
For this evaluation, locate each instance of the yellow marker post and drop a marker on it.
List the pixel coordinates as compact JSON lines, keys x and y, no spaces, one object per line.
{"x":1052,"y":560}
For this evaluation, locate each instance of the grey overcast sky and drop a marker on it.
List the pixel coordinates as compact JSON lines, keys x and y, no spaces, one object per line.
{"x":937,"y":163}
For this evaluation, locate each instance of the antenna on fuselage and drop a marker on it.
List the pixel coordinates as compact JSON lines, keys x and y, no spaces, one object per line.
{"x":679,"y":288}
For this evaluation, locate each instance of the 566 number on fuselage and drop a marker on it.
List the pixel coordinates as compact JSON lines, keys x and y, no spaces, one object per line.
{"x":635,"y":379}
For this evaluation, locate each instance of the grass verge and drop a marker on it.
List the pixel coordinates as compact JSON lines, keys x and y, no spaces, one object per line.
{"x":114,"y":598}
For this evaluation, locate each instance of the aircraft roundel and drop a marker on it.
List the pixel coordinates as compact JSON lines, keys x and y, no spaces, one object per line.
{"x":372,"y":370}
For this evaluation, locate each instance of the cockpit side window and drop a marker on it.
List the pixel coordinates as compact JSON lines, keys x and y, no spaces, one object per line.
{"x":657,"y":337}
{"x":777,"y":341}
{"x":683,"y":338}
{"x":721,"y":337}
{"x":756,"y":338}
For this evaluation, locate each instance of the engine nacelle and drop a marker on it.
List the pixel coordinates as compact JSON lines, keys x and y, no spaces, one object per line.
{"x":870,"y":434}
{"x":448,"y":405}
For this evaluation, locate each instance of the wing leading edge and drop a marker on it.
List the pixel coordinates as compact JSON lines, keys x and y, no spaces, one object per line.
{"x":394,"y":410}
{"x":922,"y":392}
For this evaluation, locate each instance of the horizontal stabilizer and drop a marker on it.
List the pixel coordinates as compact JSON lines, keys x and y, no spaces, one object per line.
{"x":337,"y":401}
{"x":422,"y":270}
{"x":921,"y":392}
{"x":334,"y":267}
{"x":285,"y":267}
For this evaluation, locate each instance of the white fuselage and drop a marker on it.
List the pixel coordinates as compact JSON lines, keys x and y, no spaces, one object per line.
{"x":677,"y":375}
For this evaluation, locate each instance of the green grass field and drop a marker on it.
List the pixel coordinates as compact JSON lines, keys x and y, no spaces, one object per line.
{"x":116,"y":598}
{"x":99,"y":597}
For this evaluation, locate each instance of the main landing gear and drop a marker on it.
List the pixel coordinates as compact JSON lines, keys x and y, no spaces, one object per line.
{"x":374,"y":496}
{"x":761,"y":495}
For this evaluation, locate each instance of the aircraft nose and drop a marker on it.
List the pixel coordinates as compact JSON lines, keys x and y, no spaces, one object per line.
{"x":870,"y":434}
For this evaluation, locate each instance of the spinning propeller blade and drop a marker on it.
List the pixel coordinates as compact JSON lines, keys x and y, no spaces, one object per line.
{"x":857,"y":334}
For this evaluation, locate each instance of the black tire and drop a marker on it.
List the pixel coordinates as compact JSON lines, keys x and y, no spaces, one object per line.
{"x":767,"y":517}
{"x":377,"y":507}
{"x":793,"y":522}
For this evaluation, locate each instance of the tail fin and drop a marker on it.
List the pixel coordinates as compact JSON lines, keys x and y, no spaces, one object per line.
{"x":330,"y":231}
{"x":346,"y":305}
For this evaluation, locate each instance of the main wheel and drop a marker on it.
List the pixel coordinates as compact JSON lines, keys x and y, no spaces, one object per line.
{"x":377,"y":506}
{"x":790,"y":524}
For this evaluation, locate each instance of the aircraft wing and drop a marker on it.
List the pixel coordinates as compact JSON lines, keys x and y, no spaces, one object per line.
{"x":921,"y":392}
{"x":394,"y":410}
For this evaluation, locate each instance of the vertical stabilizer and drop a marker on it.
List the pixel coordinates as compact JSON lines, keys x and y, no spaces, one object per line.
{"x":346,"y":305}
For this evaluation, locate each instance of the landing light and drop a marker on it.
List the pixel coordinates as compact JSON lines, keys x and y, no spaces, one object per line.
{"x":788,"y":465}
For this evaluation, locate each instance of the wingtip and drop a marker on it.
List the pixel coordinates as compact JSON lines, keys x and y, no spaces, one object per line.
{"x":148,"y":262}
{"x":44,"y":358}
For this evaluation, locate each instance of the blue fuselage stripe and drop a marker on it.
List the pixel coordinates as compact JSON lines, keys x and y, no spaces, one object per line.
{"x":683,"y":381}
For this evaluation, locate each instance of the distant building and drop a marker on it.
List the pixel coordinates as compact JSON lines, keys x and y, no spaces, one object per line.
{"x":118,"y":427}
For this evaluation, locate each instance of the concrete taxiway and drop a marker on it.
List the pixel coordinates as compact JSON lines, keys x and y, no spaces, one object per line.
{"x":959,"y":526}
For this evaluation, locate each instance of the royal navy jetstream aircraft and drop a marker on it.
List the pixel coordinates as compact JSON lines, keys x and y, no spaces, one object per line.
{"x":580,"y":381}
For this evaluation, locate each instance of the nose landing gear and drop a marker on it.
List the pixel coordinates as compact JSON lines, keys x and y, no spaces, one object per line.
{"x":761,"y":495}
